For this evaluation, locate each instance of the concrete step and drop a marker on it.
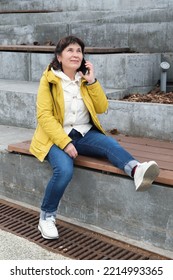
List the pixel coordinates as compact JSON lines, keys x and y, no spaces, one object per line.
{"x":120,"y":27}
{"x":132,"y":35}
{"x":141,"y":119}
{"x":111,"y":204}
{"x":63,"y":17}
{"x":120,"y":71}
{"x":18,"y":108}
{"x":18,"y":103}
{"x":12,"y":134}
{"x":109,"y":5}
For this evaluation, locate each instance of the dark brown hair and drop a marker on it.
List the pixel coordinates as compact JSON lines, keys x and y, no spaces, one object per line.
{"x":61,"y":45}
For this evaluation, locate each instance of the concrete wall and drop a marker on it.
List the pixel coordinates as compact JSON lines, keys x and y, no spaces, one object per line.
{"x":18,"y":103}
{"x":73,"y":5}
{"x":144,"y":26}
{"x":106,"y":201}
{"x":114,"y":71}
{"x":18,"y":108}
{"x":151,"y":120}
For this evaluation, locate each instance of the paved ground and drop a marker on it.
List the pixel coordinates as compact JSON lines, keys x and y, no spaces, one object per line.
{"x":16,"y":248}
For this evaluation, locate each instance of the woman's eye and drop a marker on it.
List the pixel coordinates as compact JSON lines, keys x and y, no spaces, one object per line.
{"x":71,"y":50}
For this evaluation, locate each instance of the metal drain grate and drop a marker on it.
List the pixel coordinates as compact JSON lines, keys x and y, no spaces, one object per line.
{"x":74,"y":242}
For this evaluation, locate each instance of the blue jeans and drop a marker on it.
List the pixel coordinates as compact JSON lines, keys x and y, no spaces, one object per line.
{"x":94,"y":144}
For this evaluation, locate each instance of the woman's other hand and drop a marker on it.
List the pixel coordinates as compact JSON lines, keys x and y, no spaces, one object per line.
{"x":71,"y":150}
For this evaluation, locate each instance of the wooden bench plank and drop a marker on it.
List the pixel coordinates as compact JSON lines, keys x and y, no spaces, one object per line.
{"x":29,"y":11}
{"x":144,"y":141}
{"x":165,"y":177}
{"x":51,"y":49}
{"x":151,"y":149}
{"x":23,"y":148}
{"x":166,"y":162}
{"x":143,"y":152}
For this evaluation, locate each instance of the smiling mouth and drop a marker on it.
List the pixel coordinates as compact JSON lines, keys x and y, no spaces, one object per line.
{"x":75,"y":61}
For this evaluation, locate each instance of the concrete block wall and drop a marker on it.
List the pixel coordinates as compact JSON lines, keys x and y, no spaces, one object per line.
{"x":73,"y":5}
{"x":18,"y":103}
{"x":18,"y":108}
{"x":150,"y":120}
{"x":144,"y":26}
{"x":111,"y":203}
{"x":119,"y":74}
{"x":116,"y":71}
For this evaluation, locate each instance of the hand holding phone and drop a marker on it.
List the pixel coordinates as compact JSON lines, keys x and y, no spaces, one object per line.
{"x":83,"y":67}
{"x":87,"y":71}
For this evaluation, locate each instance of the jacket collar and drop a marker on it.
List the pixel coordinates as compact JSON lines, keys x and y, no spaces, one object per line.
{"x":64,"y":77}
{"x":52,"y":78}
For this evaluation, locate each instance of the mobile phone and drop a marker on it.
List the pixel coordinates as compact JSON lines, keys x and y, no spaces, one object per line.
{"x":83,"y":68}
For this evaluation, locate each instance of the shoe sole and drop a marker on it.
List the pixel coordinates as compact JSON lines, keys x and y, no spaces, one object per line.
{"x":150,"y":175}
{"x":47,"y":237}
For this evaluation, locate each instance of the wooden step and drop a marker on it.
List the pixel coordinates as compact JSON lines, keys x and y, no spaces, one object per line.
{"x":51,"y":49}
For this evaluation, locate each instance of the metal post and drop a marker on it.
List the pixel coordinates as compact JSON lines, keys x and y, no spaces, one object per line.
{"x":163,"y":80}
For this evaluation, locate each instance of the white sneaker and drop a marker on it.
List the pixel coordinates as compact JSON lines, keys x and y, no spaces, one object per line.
{"x":48,"y":228}
{"x":145,"y":174}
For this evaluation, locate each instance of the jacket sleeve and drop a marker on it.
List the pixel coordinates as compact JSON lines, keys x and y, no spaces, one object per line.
{"x":46,"y":117}
{"x":98,"y":97}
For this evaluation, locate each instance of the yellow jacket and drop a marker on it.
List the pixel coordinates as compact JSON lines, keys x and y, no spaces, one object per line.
{"x":50,"y":113}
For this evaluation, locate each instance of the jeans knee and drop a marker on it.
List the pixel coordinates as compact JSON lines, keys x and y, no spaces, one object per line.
{"x":63,"y":171}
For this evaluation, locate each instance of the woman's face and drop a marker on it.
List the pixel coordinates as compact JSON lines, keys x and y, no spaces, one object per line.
{"x":71,"y":57}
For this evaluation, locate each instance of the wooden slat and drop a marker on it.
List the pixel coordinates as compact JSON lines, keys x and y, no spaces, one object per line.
{"x":51,"y":49}
{"x":143,"y":149}
{"x":144,"y":141}
{"x":145,"y":155}
{"x":165,"y":177}
{"x":148,"y":148}
{"x":21,"y":147}
{"x":98,"y":164}
{"x":28,"y":11}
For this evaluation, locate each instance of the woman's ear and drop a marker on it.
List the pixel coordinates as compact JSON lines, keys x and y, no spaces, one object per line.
{"x":58,"y":58}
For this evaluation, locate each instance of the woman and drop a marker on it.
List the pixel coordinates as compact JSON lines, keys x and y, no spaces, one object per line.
{"x":69,"y":99}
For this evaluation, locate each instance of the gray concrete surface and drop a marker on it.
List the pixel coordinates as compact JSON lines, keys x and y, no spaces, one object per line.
{"x":79,"y":5}
{"x":151,"y":120}
{"x":142,"y":26}
{"x":119,"y":74}
{"x":18,"y":108}
{"x":116,"y":71}
{"x":10,"y":134}
{"x":18,"y":103}
{"x":14,"y":247}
